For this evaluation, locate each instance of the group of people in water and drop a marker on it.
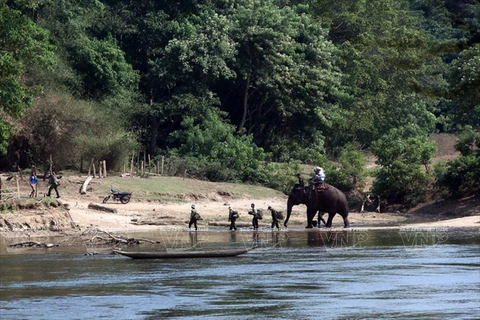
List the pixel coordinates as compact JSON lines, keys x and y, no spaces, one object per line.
{"x":233,"y":215}
{"x":316,"y":182}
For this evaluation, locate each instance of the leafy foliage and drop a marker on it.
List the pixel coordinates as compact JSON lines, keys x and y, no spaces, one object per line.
{"x":230,"y":88}
{"x":352,"y":163}
{"x":400,"y":179}
{"x":286,"y":79}
{"x":213,"y":139}
{"x":22,"y":43}
{"x":59,"y":122}
{"x":102,"y":67}
{"x":464,"y":81}
{"x":463,"y":174}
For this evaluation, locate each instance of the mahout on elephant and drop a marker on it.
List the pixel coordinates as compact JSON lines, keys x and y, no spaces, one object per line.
{"x":330,"y":200}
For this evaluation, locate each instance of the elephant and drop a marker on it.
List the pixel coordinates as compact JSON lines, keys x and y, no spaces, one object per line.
{"x":330,"y":200}
{"x":297,"y":196}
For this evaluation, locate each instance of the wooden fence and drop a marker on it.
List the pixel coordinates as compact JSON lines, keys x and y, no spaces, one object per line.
{"x":9,"y":188}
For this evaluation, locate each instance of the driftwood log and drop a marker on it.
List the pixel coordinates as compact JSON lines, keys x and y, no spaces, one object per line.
{"x":101,"y":208}
{"x":33,"y":244}
{"x":104,"y":237}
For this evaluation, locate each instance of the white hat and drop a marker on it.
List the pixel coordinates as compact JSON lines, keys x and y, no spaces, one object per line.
{"x":193,"y":206}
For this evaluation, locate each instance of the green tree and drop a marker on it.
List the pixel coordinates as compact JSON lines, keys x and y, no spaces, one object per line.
{"x":59,"y":121}
{"x":178,"y":50}
{"x":103,"y":69}
{"x":462,"y":175}
{"x":402,"y":154}
{"x":353,"y":163}
{"x":22,"y":43}
{"x":464,"y":79}
{"x":286,"y":81}
{"x":384,"y":56}
{"x":98,"y":66}
{"x":209,"y":137}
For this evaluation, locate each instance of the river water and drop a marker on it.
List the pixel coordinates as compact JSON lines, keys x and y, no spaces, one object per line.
{"x":295,"y":274}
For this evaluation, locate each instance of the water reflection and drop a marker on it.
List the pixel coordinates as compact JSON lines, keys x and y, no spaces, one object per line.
{"x":193,"y":238}
{"x":233,"y":236}
{"x":201,"y":240}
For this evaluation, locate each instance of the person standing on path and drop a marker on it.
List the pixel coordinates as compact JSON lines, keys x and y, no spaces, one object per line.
{"x":53,"y":183}
{"x":33,"y":181}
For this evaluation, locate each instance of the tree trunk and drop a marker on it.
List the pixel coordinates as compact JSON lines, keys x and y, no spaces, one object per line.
{"x":245,"y":104}
{"x":154,"y":136}
{"x":83,"y":189}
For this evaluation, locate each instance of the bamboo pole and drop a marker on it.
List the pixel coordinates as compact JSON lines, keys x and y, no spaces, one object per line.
{"x":90,"y":167}
{"x":131,"y":163}
{"x":100,"y":169}
{"x":94,"y":171}
{"x":48,"y":169}
{"x":138,"y":161}
{"x":144,"y":161}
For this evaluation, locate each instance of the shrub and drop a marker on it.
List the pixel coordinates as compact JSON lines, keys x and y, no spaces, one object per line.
{"x":401,"y":156}
{"x":462,"y":175}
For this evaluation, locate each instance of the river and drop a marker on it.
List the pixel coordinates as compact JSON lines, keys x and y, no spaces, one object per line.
{"x":295,"y":274}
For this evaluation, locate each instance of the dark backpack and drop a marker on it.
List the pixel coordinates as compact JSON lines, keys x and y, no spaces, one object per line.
{"x":280,"y":215}
{"x":233,"y":215}
{"x":259,"y":215}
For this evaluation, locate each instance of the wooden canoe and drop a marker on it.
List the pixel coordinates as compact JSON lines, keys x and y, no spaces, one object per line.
{"x":182,"y":254}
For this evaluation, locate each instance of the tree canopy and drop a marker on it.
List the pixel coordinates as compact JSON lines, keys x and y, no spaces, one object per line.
{"x":243,"y":84}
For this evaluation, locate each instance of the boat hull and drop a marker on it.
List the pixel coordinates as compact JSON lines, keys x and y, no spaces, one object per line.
{"x":182,"y":254}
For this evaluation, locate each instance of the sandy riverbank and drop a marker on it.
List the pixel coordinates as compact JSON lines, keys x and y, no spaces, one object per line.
{"x":148,"y":216}
{"x":148,"y":211}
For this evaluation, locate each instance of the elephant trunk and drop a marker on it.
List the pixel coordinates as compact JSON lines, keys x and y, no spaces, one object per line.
{"x":289,"y":211}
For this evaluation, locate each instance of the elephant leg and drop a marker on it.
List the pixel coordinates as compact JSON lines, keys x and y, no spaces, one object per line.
{"x":310,"y":215}
{"x":320,"y":218}
{"x":346,"y":223}
{"x":330,"y":220}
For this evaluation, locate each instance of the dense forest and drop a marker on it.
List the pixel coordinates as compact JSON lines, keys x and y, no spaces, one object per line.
{"x":247,"y":90}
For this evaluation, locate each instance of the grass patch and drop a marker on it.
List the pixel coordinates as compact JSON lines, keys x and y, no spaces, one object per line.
{"x":169,"y":188}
